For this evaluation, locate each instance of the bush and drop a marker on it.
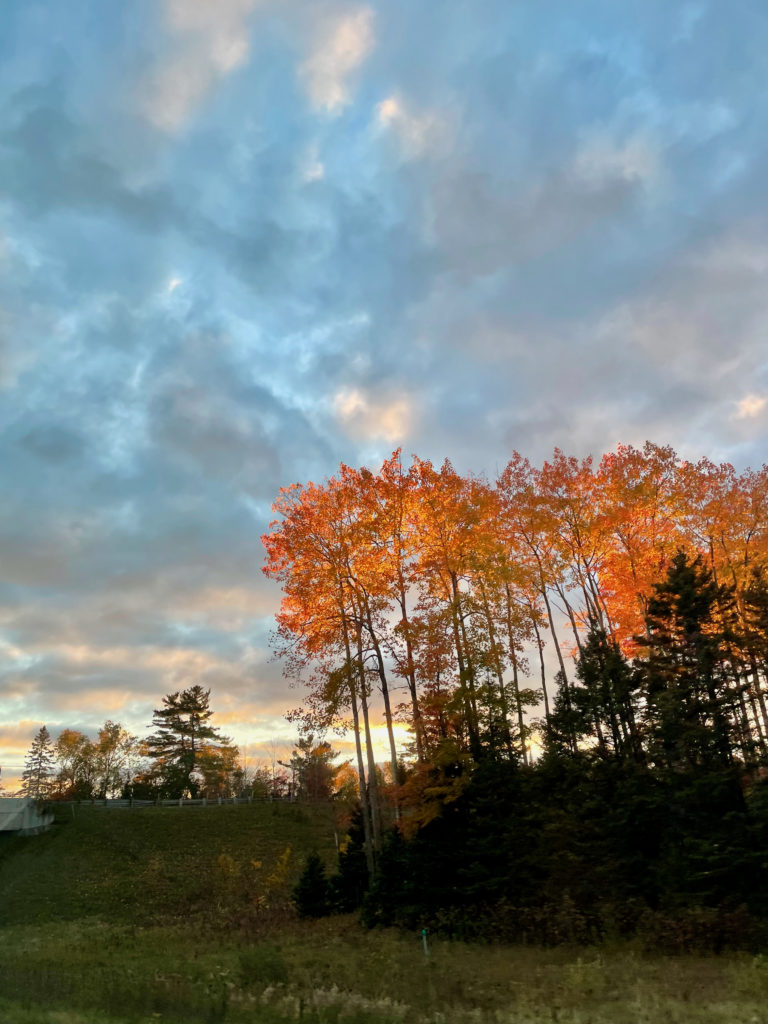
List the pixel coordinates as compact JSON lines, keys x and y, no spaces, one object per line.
{"x":311,"y":893}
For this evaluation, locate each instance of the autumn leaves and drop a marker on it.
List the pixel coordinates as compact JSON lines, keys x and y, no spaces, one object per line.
{"x":440,"y":592}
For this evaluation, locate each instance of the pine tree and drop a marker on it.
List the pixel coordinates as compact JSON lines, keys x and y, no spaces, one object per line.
{"x":184,"y":738}
{"x":37,"y":777}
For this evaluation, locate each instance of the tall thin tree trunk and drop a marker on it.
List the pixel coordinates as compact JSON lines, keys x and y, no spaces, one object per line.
{"x":566,"y":687}
{"x":540,"y":647}
{"x":466,"y":674}
{"x":515,"y":676}
{"x":759,"y":691}
{"x":506,"y":733}
{"x":365,"y":806}
{"x":373,"y":782}
{"x":387,"y":707}
{"x":418,"y":725}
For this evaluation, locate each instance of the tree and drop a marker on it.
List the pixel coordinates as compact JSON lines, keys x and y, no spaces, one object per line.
{"x":313,"y":769}
{"x":75,"y":757}
{"x":607,"y":697}
{"x":221,"y":773}
{"x":310,"y":894}
{"x":37,"y":777}
{"x":184,"y":742}
{"x":691,"y":696}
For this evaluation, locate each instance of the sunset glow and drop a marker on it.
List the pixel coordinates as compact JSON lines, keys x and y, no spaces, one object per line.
{"x":245,"y":242}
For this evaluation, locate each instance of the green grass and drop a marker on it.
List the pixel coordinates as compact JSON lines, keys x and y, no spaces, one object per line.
{"x":140,"y":866}
{"x":330,"y":971}
{"x":121,"y":917}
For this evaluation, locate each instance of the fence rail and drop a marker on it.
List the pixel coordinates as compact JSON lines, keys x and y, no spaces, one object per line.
{"x":181,"y":802}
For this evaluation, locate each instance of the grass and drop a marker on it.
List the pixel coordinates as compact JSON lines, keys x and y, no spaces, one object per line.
{"x":121,"y":917}
{"x":330,"y":971}
{"x":143,"y":866}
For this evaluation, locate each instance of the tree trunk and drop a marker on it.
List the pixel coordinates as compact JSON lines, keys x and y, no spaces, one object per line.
{"x":373,"y":782}
{"x":515,"y":677}
{"x":387,"y":707}
{"x":365,"y":806}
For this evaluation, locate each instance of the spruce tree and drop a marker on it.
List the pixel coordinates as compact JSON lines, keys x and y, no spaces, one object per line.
{"x":310,"y":894}
{"x":37,"y":777}
{"x":691,"y":695}
{"x":607,"y":698}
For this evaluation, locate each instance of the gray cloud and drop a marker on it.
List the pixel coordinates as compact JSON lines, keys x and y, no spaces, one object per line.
{"x":552,"y":234}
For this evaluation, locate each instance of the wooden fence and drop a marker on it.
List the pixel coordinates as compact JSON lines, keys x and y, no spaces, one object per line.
{"x":181,"y":802}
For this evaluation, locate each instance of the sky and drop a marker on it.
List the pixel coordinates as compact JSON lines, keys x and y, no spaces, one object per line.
{"x":244,"y":240}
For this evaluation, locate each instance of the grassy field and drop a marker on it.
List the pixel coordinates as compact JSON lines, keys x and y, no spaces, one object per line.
{"x":144,"y":866}
{"x":183,"y":916}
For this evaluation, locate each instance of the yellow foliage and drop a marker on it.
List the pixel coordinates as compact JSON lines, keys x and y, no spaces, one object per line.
{"x":279,"y":876}
{"x":226,"y":866}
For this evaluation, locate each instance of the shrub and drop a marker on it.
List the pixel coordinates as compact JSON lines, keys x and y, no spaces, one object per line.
{"x":311,"y":893}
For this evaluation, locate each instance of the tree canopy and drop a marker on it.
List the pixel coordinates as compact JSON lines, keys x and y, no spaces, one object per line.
{"x":188,"y":753}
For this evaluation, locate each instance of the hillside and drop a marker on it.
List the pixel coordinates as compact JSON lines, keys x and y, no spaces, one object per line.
{"x":149,"y":865}
{"x":181,"y":915}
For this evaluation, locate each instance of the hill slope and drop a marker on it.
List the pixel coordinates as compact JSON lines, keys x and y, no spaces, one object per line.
{"x":142,"y":866}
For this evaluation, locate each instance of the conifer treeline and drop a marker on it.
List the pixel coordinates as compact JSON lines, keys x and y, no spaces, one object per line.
{"x":448,"y":588}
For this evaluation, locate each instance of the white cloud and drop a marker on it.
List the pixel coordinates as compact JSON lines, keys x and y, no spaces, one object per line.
{"x":340,"y":48}
{"x":750,"y":406}
{"x":418,"y":134}
{"x":388,"y":418}
{"x":210,"y":40}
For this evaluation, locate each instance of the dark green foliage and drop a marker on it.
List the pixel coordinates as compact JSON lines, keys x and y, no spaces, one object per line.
{"x":311,"y":892}
{"x":644,"y":815}
{"x":605,"y":704}
{"x":691,"y":714}
{"x":577,"y":849}
{"x":184,"y":740}
{"x":349,"y":884}
{"x":37,"y":777}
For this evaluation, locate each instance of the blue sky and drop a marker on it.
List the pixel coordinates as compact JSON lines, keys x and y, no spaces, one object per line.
{"x":242,"y":240}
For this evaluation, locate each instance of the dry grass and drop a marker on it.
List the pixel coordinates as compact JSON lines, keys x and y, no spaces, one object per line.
{"x":332,"y":971}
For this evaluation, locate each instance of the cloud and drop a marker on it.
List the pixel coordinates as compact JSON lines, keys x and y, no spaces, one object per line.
{"x":374,"y":417}
{"x":210,"y":39}
{"x":532,"y":231}
{"x":750,"y":406}
{"x":418,"y":134}
{"x":339,"y":48}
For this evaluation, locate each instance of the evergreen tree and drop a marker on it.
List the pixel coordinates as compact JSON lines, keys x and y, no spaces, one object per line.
{"x":605,"y":704}
{"x":691,"y":696}
{"x":37,"y":777}
{"x":184,"y":739}
{"x":310,"y":894}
